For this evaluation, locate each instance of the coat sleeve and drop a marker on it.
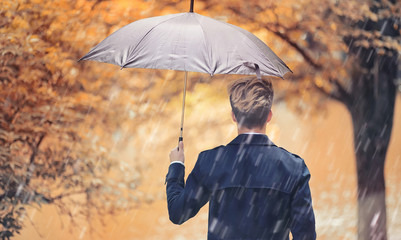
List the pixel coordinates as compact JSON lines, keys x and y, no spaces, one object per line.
{"x":184,"y":200}
{"x":302,"y":216}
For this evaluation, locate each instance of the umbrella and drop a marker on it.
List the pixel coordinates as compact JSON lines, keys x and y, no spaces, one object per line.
{"x":188,"y":42}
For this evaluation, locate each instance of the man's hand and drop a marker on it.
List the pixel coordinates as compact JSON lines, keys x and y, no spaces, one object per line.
{"x":177,"y":154}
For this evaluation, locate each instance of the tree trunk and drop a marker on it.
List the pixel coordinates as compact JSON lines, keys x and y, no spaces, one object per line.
{"x":372,"y":111}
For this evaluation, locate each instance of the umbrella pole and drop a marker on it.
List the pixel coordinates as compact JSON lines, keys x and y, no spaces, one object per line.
{"x":183,"y":107}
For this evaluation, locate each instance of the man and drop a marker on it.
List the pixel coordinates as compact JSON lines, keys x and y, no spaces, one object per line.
{"x":255,"y":189}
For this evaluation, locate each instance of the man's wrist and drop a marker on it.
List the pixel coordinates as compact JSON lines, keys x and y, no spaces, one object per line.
{"x":178,"y":162}
{"x":176,"y":172}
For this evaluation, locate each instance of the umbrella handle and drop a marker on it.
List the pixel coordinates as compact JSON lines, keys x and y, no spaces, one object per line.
{"x":180,"y":139}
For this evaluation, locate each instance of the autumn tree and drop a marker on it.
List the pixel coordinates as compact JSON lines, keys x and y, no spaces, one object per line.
{"x":349,"y":52}
{"x":343,"y":50}
{"x":60,"y":120}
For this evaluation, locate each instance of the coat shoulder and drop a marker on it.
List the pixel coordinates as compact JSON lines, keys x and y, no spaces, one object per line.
{"x":298,"y":164}
{"x":293,"y":161}
{"x":207,"y":157}
{"x":210,"y":151}
{"x":293,"y":155}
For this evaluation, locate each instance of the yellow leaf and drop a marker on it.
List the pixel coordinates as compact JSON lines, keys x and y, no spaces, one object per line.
{"x":333,"y":26}
{"x":20,"y":23}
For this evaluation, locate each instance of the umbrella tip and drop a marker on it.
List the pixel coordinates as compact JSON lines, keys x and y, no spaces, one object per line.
{"x":83,"y":58}
{"x":191,"y":8}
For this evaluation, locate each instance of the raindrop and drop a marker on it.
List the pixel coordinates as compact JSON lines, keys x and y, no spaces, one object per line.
{"x":81,"y":235}
{"x":366,"y":145}
{"x":375,"y":219}
{"x":370,"y":55}
{"x":213,"y":225}
{"x":330,"y":148}
{"x":257,"y":162}
{"x":19,"y":189}
{"x":277,"y":227}
{"x":383,"y":27}
{"x":234,"y":175}
{"x":250,"y":211}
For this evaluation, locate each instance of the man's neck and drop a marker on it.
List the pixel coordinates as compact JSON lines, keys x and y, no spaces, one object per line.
{"x":251,"y":130}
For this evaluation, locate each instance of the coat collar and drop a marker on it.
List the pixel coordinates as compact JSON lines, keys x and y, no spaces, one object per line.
{"x":253,"y":139}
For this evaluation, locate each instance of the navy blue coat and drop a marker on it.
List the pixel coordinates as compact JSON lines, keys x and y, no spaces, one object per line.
{"x":255,"y":190}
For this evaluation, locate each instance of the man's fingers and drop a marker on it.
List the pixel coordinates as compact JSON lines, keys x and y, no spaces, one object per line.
{"x":177,"y":154}
{"x":181,"y":146}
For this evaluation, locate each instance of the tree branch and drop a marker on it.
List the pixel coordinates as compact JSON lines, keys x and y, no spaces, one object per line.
{"x":299,"y":49}
{"x":32,"y":158}
{"x":97,"y":2}
{"x":52,"y":199}
{"x":340,"y":94}
{"x":284,"y":37}
{"x":327,"y":93}
{"x":343,"y":93}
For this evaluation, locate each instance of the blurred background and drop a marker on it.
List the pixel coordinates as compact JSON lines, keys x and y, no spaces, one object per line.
{"x":84,"y":146}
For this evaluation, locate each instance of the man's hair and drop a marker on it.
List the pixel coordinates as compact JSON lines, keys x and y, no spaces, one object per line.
{"x":251,"y":100}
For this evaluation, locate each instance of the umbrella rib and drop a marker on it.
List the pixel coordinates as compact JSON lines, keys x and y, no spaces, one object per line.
{"x":139,"y":42}
{"x":241,"y":31}
{"x":205,"y":42}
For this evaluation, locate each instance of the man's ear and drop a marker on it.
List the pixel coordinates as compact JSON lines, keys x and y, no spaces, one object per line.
{"x":233,"y":117}
{"x":269,"y":117}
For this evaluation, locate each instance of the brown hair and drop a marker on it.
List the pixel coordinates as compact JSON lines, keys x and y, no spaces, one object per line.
{"x":251,"y":100}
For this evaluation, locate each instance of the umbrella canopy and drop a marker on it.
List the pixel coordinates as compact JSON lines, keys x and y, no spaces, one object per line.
{"x":188,"y":42}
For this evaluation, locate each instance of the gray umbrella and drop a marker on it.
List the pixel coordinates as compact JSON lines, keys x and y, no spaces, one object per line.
{"x":188,"y":42}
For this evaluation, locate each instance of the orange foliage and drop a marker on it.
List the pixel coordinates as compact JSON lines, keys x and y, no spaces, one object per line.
{"x":60,"y":119}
